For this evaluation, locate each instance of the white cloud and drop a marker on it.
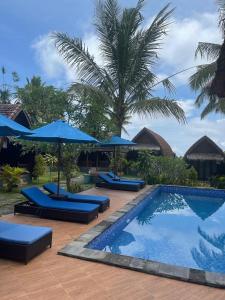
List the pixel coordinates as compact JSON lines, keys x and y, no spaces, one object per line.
{"x":187,"y":106}
{"x":179,"y":47}
{"x":177,"y":52}
{"x":92,"y":43}
{"x":52,"y":63}
{"x":181,"y":136}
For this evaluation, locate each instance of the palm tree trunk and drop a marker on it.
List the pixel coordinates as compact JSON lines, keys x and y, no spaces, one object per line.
{"x":218,"y":83}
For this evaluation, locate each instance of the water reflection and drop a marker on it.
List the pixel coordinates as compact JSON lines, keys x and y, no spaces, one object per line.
{"x":163,"y":203}
{"x":207,"y":258}
{"x":171,"y":202}
{"x":125,"y":239}
{"x":203,"y":208}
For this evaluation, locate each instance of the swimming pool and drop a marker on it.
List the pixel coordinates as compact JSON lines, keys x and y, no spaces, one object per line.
{"x":170,"y":231}
{"x":172,"y":225}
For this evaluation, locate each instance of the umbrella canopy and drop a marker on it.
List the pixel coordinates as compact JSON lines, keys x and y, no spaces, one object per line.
{"x":117,"y":141}
{"x":60,"y":132}
{"x":9,"y":127}
{"x":114,"y":142}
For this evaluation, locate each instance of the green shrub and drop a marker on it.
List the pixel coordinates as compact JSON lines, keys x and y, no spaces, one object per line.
{"x":192,"y":176}
{"x":70,"y":169}
{"x":75,"y":188}
{"x":51,"y":162}
{"x":120,"y":163}
{"x":10,"y":176}
{"x":218,"y":182}
{"x":132,"y":168}
{"x":39,"y":167}
{"x":164,"y":170}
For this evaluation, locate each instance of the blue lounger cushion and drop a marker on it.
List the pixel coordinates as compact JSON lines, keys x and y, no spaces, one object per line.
{"x":52,"y":189}
{"x":33,"y":194}
{"x":21,"y":234}
{"x":109,"y":180}
{"x":117,"y":178}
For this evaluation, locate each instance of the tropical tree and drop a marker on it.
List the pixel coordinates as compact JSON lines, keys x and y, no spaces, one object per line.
{"x":90,"y":115}
{"x":43,"y":103}
{"x":7,"y":90}
{"x":125,"y":80}
{"x":209,"y":79}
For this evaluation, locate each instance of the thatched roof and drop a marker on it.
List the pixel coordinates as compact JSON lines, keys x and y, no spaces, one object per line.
{"x":16,"y":113}
{"x":148,"y":139}
{"x":205,"y":149}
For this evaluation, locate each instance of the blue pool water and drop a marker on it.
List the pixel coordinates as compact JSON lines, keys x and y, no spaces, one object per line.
{"x":173,"y":225}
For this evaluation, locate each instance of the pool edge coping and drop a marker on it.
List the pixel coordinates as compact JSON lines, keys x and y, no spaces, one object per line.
{"x":78,"y":249}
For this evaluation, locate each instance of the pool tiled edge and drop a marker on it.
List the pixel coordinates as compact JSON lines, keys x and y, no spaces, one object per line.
{"x":78,"y":249}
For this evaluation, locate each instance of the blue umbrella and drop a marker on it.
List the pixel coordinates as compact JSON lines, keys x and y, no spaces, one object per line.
{"x":114,"y":142}
{"x":9,"y":127}
{"x":117,"y":141}
{"x":60,"y":132}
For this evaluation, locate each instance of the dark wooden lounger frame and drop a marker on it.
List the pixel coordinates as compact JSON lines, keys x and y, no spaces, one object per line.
{"x":115,"y":186}
{"x":55,"y":214}
{"x":102,"y":205}
{"x":25,"y":252}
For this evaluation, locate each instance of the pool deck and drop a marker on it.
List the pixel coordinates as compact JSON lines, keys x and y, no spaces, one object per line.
{"x":51,"y":276}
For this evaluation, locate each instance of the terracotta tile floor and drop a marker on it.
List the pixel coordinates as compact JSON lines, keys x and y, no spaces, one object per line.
{"x":50,"y":276}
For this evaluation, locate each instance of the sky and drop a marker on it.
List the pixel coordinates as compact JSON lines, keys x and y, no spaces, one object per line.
{"x":26,"y":47}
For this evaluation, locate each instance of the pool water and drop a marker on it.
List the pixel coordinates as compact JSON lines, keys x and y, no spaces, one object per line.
{"x":177,"y":226}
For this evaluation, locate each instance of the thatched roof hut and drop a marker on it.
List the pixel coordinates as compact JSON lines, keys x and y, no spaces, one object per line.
{"x":11,"y":152}
{"x":207,"y":158}
{"x":16,"y":113}
{"x":149,"y":140}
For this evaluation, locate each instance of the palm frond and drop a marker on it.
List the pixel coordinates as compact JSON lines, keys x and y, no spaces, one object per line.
{"x":202,"y":76}
{"x":209,"y":108}
{"x":209,"y":51}
{"x":107,"y":23}
{"x":168,"y":85}
{"x":141,"y":89}
{"x":116,"y":32}
{"x":145,"y":46}
{"x":159,"y":106}
{"x":203,"y":96}
{"x":76,"y":54}
{"x":151,"y":39}
{"x":215,"y":105}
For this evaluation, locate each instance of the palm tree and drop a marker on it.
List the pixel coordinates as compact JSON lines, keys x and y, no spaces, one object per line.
{"x":4,"y":91}
{"x":7,"y":94}
{"x":209,"y":78}
{"x":125,"y":81}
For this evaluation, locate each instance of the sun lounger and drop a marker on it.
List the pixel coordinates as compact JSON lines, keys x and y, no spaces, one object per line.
{"x":23,"y":242}
{"x":117,"y":178}
{"x":42,"y":205}
{"x":107,"y":182}
{"x":102,"y":201}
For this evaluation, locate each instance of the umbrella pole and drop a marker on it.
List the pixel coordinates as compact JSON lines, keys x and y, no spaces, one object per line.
{"x":115,"y":169}
{"x":59,"y":165}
